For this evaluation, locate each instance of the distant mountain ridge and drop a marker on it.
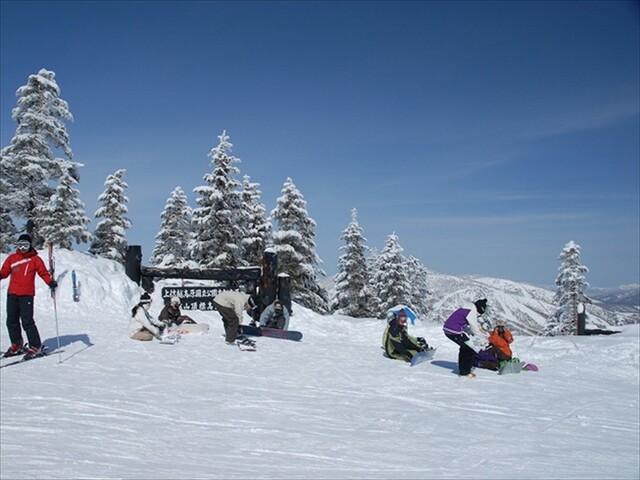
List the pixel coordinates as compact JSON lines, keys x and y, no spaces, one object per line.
{"x":525,"y":308}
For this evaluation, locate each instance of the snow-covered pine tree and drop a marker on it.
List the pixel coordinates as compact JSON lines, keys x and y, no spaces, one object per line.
{"x":218,"y":221}
{"x":173,"y":241}
{"x":295,"y":245}
{"x":390,"y":281}
{"x":63,"y":217}
{"x":8,"y":229}
{"x":258,"y":230}
{"x":29,"y":162}
{"x":373,"y":265}
{"x":417,"y":274}
{"x":352,"y":295}
{"x":109,"y":240}
{"x":569,"y":295}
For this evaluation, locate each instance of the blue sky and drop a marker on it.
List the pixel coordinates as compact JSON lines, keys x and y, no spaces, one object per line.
{"x":486,"y":135}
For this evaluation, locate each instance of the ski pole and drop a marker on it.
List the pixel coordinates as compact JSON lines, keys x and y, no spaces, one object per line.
{"x":55,"y":314}
{"x":52,"y":270}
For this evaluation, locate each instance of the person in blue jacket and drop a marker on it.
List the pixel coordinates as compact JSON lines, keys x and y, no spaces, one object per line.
{"x":457,"y":328}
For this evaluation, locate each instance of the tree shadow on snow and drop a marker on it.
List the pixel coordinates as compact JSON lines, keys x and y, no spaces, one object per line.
{"x":52,"y":343}
{"x":453,"y":366}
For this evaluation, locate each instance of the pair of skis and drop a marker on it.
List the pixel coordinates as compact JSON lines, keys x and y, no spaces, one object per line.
{"x":74,"y":278}
{"x":22,"y":359}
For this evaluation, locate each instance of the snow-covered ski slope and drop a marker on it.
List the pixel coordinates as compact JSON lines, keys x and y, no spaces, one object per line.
{"x":328,"y":407}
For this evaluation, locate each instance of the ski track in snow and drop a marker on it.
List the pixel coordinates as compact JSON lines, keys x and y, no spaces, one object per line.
{"x":330,"y":406}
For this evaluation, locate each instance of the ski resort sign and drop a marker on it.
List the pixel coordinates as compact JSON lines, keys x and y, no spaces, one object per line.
{"x":192,"y":298}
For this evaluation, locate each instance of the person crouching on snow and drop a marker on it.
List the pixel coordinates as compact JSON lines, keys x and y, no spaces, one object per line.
{"x":465,"y":320}
{"x":397,"y":342}
{"x":141,"y":325}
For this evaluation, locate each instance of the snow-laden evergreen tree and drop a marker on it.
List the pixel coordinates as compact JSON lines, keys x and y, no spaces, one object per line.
{"x":390,"y":282}
{"x":173,"y":241}
{"x":352,"y":296}
{"x":109,"y":237}
{"x":373,"y":265}
{"x":8,"y":228}
{"x":63,"y":217}
{"x":219,"y":221}
{"x":417,"y":274}
{"x":569,"y":295}
{"x":29,"y":162}
{"x":258,"y":229}
{"x":294,"y":242}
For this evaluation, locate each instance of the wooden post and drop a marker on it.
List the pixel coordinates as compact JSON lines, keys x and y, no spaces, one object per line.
{"x":269,"y":281}
{"x":582,"y":319}
{"x":133,"y":263}
{"x":284,"y":291}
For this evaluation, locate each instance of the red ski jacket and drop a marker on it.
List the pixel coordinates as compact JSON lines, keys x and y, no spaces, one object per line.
{"x":23,"y":268}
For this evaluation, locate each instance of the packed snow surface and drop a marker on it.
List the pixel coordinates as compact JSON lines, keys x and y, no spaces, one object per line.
{"x":330,"y":406}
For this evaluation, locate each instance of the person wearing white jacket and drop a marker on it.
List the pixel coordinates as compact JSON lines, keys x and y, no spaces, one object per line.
{"x":141,"y":325}
{"x":231,"y":306}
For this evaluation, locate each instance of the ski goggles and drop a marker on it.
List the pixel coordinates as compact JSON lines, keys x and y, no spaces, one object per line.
{"x":23,"y":245}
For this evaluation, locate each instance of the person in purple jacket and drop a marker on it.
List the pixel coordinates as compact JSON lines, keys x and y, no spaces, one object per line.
{"x":460,"y":324}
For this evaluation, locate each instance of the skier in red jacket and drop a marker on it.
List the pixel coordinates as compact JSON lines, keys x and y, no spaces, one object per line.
{"x":23,"y":266}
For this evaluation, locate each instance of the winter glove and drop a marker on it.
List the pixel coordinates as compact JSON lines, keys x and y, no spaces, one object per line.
{"x":53,"y":284}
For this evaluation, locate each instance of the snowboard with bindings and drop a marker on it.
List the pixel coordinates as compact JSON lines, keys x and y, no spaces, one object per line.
{"x":188,"y":328}
{"x":271,"y":332}
{"x":245,"y":344}
{"x":511,"y":367}
{"x":423,"y":356}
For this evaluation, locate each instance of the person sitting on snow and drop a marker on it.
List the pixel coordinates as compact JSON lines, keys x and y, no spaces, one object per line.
{"x":498,"y":350}
{"x":397,"y":342}
{"x":275,"y":315}
{"x":171,"y":313}
{"x":142,"y":326}
{"x":499,"y":340}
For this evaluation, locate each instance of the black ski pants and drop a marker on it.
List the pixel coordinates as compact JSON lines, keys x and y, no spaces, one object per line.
{"x":20,"y":307}
{"x":465,"y":354}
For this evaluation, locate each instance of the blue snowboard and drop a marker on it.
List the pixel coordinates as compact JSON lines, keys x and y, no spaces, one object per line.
{"x":271,"y":332}
{"x":423,"y":356}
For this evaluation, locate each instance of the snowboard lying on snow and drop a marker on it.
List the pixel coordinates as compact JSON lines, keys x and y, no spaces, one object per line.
{"x":516,"y":367}
{"x":423,"y":356}
{"x":188,"y":328}
{"x":271,"y":332}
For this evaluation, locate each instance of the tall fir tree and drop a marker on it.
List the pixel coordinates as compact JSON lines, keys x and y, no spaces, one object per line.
{"x":8,"y":228}
{"x":294,"y":242}
{"x":352,"y":296}
{"x":569,"y":295}
{"x":109,"y":237}
{"x":418,"y":277}
{"x":63,"y":217}
{"x":391,"y":280}
{"x":29,"y":162}
{"x":219,"y":221}
{"x":173,"y":241}
{"x":258,"y":230}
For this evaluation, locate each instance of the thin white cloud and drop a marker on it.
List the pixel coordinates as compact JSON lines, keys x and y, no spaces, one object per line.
{"x":594,"y":118}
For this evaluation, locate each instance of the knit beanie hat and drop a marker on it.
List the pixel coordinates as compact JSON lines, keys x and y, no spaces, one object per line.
{"x":24,"y":237}
{"x":481,"y":305}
